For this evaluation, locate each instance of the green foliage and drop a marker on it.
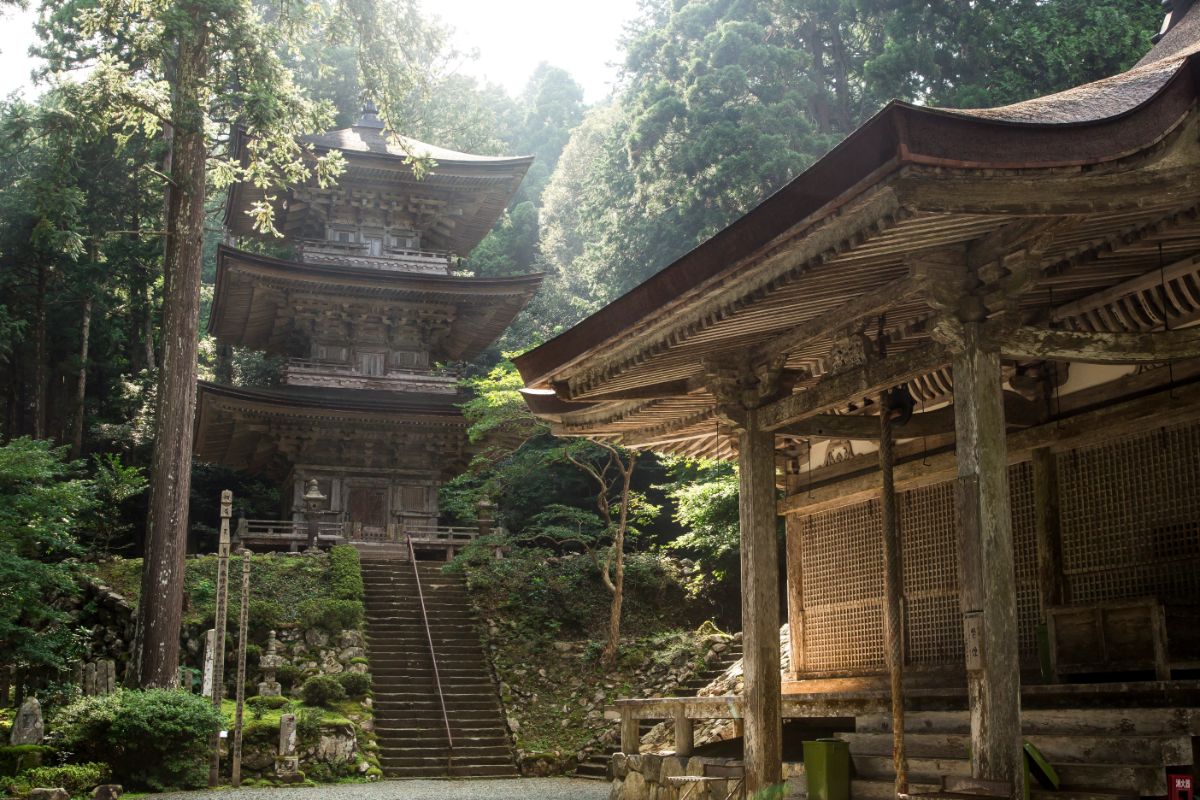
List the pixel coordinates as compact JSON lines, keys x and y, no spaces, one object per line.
{"x":322,"y":691}
{"x":115,"y":486}
{"x":345,"y":573}
{"x":332,"y":616}
{"x":15,"y":758}
{"x":260,"y":705}
{"x":356,"y":684}
{"x":705,"y":496}
{"x":75,"y":778}
{"x":308,"y":724}
{"x":288,"y":675}
{"x":41,"y":501}
{"x":154,"y":739}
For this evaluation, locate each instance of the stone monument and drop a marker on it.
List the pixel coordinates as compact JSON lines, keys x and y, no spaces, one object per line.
{"x":27,"y":727}
{"x":270,"y":661}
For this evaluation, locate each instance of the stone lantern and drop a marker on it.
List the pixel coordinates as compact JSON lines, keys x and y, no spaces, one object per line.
{"x":270,"y":661}
{"x":314,"y":501}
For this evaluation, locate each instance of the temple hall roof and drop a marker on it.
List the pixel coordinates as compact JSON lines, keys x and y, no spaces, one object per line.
{"x":1080,"y":189}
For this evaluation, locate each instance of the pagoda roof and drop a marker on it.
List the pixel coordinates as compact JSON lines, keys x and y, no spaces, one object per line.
{"x":249,"y":428}
{"x":471,"y":190}
{"x":251,"y":291}
{"x":1087,"y":183}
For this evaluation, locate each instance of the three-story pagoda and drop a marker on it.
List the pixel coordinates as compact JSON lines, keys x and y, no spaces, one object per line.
{"x":363,"y":314}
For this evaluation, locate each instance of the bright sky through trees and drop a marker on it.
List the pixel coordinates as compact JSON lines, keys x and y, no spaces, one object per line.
{"x":510,"y":39}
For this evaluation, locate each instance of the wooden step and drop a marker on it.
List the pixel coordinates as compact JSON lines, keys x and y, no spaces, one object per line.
{"x":1146,"y":750}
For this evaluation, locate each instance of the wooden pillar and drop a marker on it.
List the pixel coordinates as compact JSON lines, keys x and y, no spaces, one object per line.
{"x":631,"y":736}
{"x":794,"y":524}
{"x":893,"y":591}
{"x":986,"y":574}
{"x":685,"y":733}
{"x":763,"y":753}
{"x":1049,"y":533}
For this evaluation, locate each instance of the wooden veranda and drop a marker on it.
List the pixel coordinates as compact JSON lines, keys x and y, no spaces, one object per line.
{"x":1005,"y":285}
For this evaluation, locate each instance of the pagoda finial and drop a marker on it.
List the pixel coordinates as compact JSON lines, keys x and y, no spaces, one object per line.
{"x":370,"y":116}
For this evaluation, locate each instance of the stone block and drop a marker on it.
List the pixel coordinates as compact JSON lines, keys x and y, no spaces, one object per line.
{"x":636,"y":787}
{"x":27,"y":727}
{"x":47,"y":794}
{"x":633,"y":761}
{"x":108,"y":791}
{"x":672,"y":766}
{"x":620,"y":766}
{"x":651,"y":764}
{"x":287,"y":735}
{"x":617,"y":790}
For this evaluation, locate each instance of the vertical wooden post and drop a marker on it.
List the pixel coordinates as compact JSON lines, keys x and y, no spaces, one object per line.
{"x":631,"y":737}
{"x":763,"y":752}
{"x":685,"y":733}
{"x":1049,"y":533}
{"x":794,"y":525}
{"x":893,"y":591}
{"x":243,"y":618}
{"x":218,"y":674}
{"x":986,"y":575}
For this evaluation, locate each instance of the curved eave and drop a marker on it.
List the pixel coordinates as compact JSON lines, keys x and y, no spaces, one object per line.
{"x":486,"y":305}
{"x":504,"y":173}
{"x":900,"y":135}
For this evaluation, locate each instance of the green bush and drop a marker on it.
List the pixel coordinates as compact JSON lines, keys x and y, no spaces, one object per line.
{"x":17,"y":757}
{"x":154,"y":739}
{"x":345,"y":573}
{"x":332,"y":616}
{"x":288,"y":675}
{"x":356,"y":684}
{"x":322,"y":690}
{"x":75,"y":778}
{"x":265,"y":616}
{"x":308,"y":725}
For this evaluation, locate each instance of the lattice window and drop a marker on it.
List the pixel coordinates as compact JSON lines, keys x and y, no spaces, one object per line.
{"x":842,"y":567}
{"x":929,"y":546}
{"x":1131,"y":517}
{"x":1024,"y":528}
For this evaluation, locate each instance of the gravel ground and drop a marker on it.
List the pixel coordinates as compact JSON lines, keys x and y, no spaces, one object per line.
{"x":516,"y":789}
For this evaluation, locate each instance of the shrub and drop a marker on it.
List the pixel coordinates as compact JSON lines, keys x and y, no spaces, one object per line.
{"x":332,"y":616}
{"x":356,"y":684}
{"x":75,"y":778}
{"x":308,"y":725}
{"x":17,"y":757}
{"x":155,"y":739}
{"x":345,"y":570}
{"x":288,"y":675}
{"x":322,"y":690}
{"x":265,"y":616}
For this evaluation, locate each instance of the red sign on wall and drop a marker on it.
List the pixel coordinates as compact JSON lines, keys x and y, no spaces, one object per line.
{"x":1180,"y":787}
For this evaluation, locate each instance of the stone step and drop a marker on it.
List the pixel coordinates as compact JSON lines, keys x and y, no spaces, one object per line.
{"x":1147,"y":750}
{"x":1136,"y":779}
{"x":456,"y":771}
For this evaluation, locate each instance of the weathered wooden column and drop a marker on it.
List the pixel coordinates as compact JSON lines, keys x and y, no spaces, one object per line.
{"x":763,"y":753}
{"x":893,"y":590}
{"x":1049,"y":535}
{"x":794,"y":567}
{"x":986,"y":574}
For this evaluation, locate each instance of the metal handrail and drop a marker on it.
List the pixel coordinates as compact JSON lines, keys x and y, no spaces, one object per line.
{"x":437,"y":678}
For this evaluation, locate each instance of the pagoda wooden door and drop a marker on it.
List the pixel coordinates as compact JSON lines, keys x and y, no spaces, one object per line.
{"x":368,"y":508}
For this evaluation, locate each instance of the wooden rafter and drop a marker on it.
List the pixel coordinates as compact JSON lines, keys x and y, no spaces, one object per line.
{"x":1098,"y":347}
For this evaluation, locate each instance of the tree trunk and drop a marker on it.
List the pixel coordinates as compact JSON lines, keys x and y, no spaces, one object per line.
{"x":39,"y":356}
{"x":85,"y":330}
{"x":618,"y":583}
{"x":170,"y":483}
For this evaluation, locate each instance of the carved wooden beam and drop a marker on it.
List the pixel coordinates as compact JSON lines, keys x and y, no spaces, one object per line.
{"x":1093,"y":347}
{"x":864,"y":381}
{"x":1018,"y":413}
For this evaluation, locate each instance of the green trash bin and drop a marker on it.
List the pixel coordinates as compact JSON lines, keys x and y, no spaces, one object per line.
{"x":827,"y":769}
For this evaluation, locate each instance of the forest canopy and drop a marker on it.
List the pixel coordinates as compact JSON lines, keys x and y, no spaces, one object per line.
{"x":719,"y":104}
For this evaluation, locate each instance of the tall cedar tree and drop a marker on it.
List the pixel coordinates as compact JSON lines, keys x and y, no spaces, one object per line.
{"x":191,"y":69}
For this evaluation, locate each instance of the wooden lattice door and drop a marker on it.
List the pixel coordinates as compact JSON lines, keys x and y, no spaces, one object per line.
{"x":368,"y":508}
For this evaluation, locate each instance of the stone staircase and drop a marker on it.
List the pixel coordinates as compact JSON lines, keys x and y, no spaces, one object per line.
{"x":409,"y":724}
{"x":1099,"y":754}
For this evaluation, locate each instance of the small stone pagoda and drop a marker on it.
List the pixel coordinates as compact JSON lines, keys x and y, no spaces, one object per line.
{"x":367,"y":312}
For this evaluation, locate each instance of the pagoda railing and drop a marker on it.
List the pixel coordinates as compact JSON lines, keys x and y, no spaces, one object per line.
{"x":320,"y":251}
{"x":304,"y":372}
